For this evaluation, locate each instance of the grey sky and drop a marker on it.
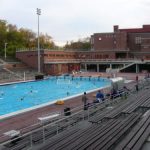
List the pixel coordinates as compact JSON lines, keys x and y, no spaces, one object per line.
{"x":67,"y":20}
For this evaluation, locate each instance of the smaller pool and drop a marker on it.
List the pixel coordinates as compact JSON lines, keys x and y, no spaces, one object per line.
{"x":25,"y":96}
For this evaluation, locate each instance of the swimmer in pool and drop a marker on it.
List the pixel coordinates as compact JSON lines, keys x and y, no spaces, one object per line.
{"x":2,"y":93}
{"x":68,"y":93}
{"x":21,"y":98}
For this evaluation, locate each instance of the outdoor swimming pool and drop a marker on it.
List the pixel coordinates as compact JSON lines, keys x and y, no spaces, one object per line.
{"x":29,"y":95}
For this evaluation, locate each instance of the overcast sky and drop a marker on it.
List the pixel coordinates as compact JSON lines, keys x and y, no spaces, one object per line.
{"x":67,"y":20}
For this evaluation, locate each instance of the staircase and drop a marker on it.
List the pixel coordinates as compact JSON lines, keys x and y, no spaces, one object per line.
{"x":14,"y":70}
{"x":13,"y":73}
{"x":128,"y":65}
{"x":2,"y":61}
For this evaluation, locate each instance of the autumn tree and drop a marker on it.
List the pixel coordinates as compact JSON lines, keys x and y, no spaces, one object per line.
{"x":21,"y":38}
{"x":81,"y":44}
{"x":3,"y":35}
{"x":46,"y":41}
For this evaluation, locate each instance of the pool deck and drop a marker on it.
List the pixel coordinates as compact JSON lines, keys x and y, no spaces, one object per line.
{"x":24,"y":122}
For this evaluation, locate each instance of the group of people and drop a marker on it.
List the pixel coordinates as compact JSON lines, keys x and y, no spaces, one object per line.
{"x":100,"y":96}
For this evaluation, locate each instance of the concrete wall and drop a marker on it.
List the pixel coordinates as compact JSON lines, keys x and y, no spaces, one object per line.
{"x":30,"y":58}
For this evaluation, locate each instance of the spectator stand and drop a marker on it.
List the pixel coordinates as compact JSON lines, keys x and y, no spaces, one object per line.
{"x":137,"y":136}
{"x":140,"y":99}
{"x":95,"y":136}
{"x":110,"y":128}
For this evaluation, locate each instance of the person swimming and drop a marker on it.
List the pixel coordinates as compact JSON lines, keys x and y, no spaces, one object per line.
{"x":22,"y":98}
{"x":68,"y":93}
{"x":2,"y":93}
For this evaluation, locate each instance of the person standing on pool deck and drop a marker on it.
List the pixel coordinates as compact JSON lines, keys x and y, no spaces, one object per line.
{"x":137,"y":78}
{"x":137,"y":87}
{"x":84,"y":100}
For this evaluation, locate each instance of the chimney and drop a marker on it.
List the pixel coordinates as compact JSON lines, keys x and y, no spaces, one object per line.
{"x":116,"y":28}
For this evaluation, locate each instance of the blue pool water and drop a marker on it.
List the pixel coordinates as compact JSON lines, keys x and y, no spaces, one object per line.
{"x":20,"y":96}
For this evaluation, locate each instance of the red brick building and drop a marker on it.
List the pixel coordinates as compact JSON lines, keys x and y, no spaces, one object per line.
{"x":122,"y":48}
{"x":125,"y":43}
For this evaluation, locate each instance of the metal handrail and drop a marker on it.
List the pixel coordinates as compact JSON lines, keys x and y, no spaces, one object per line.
{"x":78,"y":110}
{"x":87,"y":60}
{"x":51,"y":124}
{"x":81,"y":111}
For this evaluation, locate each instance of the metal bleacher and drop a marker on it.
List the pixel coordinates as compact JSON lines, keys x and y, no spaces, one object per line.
{"x":115,"y":124}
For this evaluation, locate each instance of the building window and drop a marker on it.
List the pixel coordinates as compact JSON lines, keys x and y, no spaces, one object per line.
{"x":138,"y":40}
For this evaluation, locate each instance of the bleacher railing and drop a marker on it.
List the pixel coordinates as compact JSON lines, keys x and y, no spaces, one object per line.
{"x":74,"y":112}
{"x":27,"y":138}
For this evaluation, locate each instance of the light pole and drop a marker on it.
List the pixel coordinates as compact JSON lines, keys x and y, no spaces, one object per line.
{"x":5,"y":50}
{"x":38,"y":13}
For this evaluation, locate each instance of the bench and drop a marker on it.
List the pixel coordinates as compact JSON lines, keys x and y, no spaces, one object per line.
{"x":90,"y":136}
{"x":51,"y":131}
{"x":92,"y":110}
{"x":14,"y":136}
{"x":137,"y":136}
{"x":107,"y":138}
{"x":57,"y":139}
{"x":49,"y":118}
{"x":136,"y":103}
{"x":12,"y":133}
{"x":79,"y":136}
{"x":117,"y":110}
{"x":99,"y":116}
{"x":18,"y":145}
{"x":110,"y":113}
{"x":122,"y":106}
{"x":146,"y":104}
{"x":37,"y":137}
{"x":95,"y":135}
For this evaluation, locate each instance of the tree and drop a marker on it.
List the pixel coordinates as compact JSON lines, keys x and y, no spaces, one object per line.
{"x":81,"y":44}
{"x":28,"y":38}
{"x":3,"y":35}
{"x":46,"y":41}
{"x":21,"y":38}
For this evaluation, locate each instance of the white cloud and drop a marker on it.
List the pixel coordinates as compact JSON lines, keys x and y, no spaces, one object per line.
{"x":67,"y":20}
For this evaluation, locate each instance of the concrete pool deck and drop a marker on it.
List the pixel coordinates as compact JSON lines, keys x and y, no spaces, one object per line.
{"x":24,"y":122}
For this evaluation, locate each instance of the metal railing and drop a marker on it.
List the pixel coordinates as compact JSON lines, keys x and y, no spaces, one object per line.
{"x":40,"y":131}
{"x":77,"y":114}
{"x":127,"y":60}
